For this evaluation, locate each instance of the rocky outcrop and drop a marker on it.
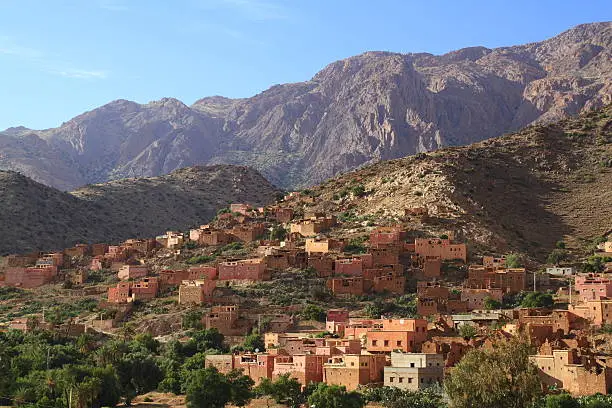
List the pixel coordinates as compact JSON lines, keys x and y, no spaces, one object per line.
{"x":357,"y":111}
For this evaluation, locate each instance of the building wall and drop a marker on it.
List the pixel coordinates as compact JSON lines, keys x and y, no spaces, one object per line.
{"x":346,"y":286}
{"x":475,"y":298}
{"x":441,"y":248}
{"x":349,"y":267}
{"x":432,"y":267}
{"x":224,"y":363}
{"x":248,"y":269}
{"x":323,"y":264}
{"x":132,"y":272}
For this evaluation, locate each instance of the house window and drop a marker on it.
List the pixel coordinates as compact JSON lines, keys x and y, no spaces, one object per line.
{"x":401,"y":379}
{"x":399,"y":342}
{"x":409,"y":380}
{"x":411,"y":365}
{"x":391,"y":379}
{"x":374,"y":342}
{"x":386,"y":343}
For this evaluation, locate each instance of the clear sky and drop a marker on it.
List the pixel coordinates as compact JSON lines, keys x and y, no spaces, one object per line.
{"x":59,"y":58}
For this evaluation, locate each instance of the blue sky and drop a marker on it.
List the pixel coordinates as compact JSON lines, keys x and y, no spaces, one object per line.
{"x":59,"y":58}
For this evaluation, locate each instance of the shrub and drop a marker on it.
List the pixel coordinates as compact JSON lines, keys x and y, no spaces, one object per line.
{"x":537,"y":299}
{"x":556,"y":256}
{"x":468,"y":331}
{"x":313,"y":312}
{"x":514,"y":260}
{"x":358,"y":190}
{"x":199,"y":259}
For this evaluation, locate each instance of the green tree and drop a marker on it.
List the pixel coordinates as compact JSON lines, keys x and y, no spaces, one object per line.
{"x":391,"y":397}
{"x":468,"y":331}
{"x":514,"y":260}
{"x":313,"y":312}
{"x":278,"y":232}
{"x":192,"y":320}
{"x":207,"y":388}
{"x":241,"y":388}
{"x":253,"y":342}
{"x":334,"y":396}
{"x":499,"y":378}
{"x":556,"y":256}
{"x":537,"y":299}
{"x":492,"y":304}
{"x":561,"y":401}
{"x":208,"y":339}
{"x":285,"y":390}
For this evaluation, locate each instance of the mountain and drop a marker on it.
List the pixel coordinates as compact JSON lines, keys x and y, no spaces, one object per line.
{"x":36,"y":217}
{"x":371,"y":107}
{"x":524,"y":191}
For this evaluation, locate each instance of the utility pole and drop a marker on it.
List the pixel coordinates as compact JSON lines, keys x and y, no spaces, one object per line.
{"x":570,"y":290}
{"x":534,"y":281}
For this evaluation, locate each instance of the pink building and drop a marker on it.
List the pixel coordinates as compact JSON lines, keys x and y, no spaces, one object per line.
{"x":593,"y":287}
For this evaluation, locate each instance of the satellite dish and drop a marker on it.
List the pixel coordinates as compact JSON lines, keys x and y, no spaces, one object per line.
{"x":257,"y":350}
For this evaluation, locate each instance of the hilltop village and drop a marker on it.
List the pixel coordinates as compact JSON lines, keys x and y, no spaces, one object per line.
{"x":329,"y":298}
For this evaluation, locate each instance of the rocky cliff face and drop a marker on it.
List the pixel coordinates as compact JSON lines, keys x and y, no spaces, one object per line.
{"x":521,"y":192}
{"x":36,"y":217}
{"x":354,"y":112}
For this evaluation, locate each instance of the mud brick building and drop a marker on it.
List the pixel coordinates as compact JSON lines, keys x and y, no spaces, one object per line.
{"x":196,"y":292}
{"x":440,"y":248}
{"x":353,"y":370}
{"x":245,"y":269}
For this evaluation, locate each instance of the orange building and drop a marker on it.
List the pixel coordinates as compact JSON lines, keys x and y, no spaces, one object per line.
{"x":578,"y":375}
{"x":245,"y":269}
{"x":354,"y":370}
{"x":596,"y":312}
{"x":322,"y":263}
{"x":256,"y":366}
{"x":382,"y":236}
{"x":440,"y":248}
{"x":397,"y":334}
{"x":346,"y":286}
{"x":306,"y":368}
{"x":323,"y":245}
{"x":509,"y":280}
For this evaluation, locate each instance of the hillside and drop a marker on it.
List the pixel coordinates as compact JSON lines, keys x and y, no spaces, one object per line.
{"x":371,"y":107}
{"x":34,"y":216}
{"x":524,"y":191}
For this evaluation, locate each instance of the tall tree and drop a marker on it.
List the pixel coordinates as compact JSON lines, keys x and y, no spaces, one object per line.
{"x":334,"y":396}
{"x":499,"y":378}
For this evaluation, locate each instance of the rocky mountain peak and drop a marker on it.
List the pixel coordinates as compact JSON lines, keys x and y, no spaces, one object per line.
{"x":362,"y":109}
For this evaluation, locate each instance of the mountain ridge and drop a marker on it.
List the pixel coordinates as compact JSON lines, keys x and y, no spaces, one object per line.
{"x":37,"y":217}
{"x":354,"y":112}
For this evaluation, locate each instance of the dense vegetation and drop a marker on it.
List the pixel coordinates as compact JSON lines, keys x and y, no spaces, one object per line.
{"x":42,"y":370}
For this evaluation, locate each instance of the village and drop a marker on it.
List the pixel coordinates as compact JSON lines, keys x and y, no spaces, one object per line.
{"x":460,"y":301}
